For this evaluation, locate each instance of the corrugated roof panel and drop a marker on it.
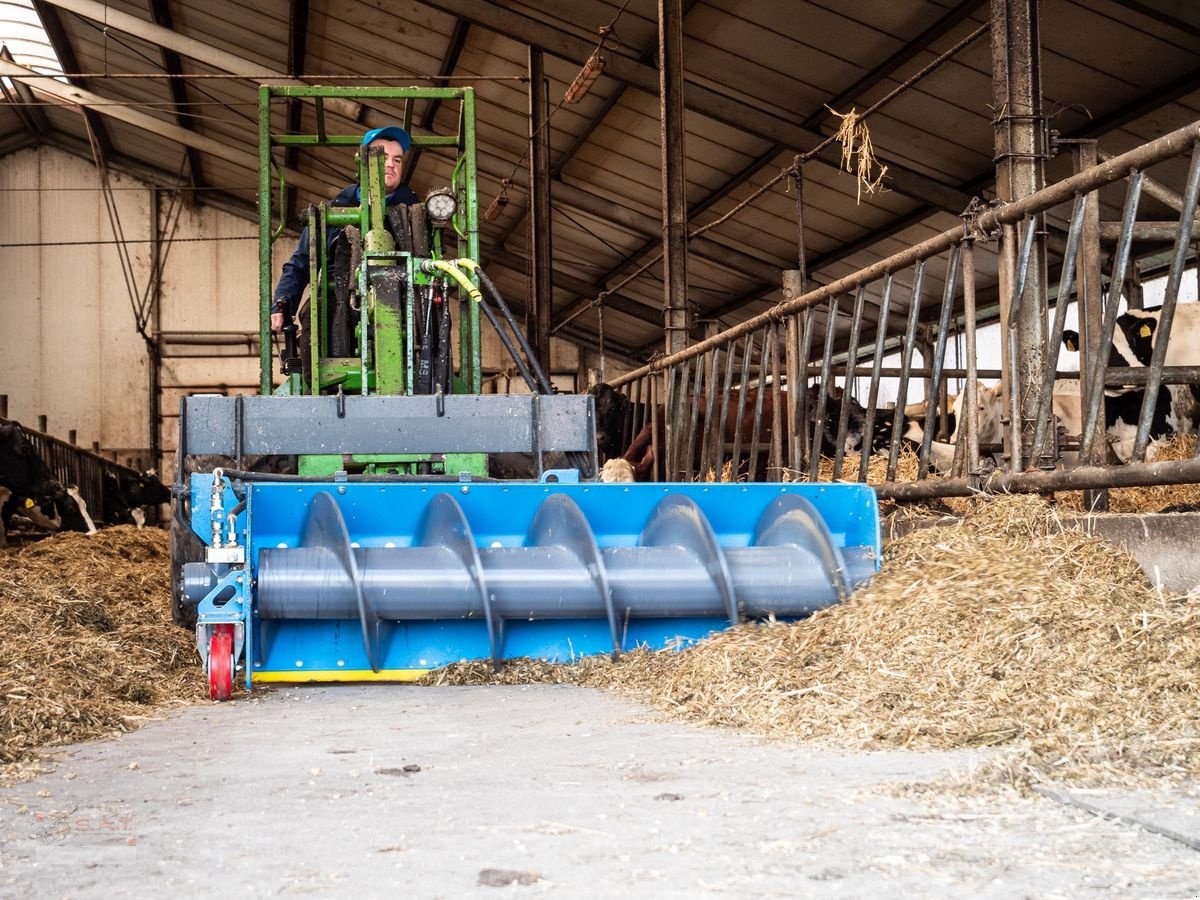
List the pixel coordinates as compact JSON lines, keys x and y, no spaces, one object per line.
{"x":225,"y":24}
{"x":782,"y":57}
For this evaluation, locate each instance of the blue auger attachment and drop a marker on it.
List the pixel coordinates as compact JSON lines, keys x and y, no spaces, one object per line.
{"x":356,"y":581}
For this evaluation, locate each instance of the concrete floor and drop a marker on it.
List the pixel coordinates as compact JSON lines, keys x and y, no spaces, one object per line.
{"x":397,"y":791}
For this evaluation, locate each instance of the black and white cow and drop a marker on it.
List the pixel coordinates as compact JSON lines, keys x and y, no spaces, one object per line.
{"x":1134,"y":339}
{"x":1121,"y":410}
{"x":30,"y":489}
{"x":125,"y":496}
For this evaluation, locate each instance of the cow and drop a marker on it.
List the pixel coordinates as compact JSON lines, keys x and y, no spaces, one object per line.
{"x":856,"y":424}
{"x":32,"y":490}
{"x":835,"y":402}
{"x":1121,"y":410}
{"x":639,"y":455}
{"x":1133,"y":343}
{"x":611,"y":409}
{"x":125,"y":496}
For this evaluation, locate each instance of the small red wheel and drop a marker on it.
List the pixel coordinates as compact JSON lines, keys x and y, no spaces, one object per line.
{"x":220,"y":662}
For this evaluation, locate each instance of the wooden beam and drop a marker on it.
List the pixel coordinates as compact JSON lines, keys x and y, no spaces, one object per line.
{"x":454,"y":49}
{"x":57,"y":36}
{"x":161,"y":11}
{"x":91,"y":102}
{"x":32,"y":116}
{"x":297,"y":50}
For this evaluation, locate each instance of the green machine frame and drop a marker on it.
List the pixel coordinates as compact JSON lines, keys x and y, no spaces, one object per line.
{"x":386,"y":278}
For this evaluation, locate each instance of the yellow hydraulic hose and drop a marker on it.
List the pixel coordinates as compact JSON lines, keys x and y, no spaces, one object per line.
{"x":452,"y":270}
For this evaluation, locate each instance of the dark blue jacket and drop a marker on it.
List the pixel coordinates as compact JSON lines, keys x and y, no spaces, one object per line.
{"x":295,"y":275}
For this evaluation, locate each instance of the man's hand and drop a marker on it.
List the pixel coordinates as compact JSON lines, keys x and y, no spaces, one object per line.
{"x":277,"y":322}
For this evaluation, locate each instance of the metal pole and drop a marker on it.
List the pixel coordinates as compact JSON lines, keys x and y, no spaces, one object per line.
{"x":674,"y":183}
{"x":1077,"y":479}
{"x":1091,"y":312}
{"x":154,"y":361}
{"x":537,"y":322}
{"x":793,"y":286}
{"x":265,"y":379}
{"x":1020,"y":146}
{"x":971,"y":387}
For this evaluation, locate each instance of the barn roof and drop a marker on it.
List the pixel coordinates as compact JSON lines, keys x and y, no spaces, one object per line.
{"x":765,"y":80}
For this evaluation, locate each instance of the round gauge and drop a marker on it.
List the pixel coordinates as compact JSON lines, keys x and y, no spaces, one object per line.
{"x":440,"y":206}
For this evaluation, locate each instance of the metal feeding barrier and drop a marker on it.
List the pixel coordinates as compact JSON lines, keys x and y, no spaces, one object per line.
{"x":83,"y":469}
{"x":758,"y":399}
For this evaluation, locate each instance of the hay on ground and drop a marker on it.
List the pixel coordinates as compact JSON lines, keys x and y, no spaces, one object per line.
{"x":1000,"y":630}
{"x":87,"y":646}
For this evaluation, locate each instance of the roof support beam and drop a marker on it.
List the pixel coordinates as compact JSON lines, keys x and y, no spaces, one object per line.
{"x":454,"y":49}
{"x":109,"y":17}
{"x":766,"y":125}
{"x":1170,"y":21}
{"x":297,"y":48}
{"x":32,"y":116}
{"x":91,"y":102}
{"x":62,"y":49}
{"x":879,"y":73}
{"x":161,"y":11}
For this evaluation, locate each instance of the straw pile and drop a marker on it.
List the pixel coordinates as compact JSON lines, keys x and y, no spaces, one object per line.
{"x":1000,"y":630}
{"x":87,"y":647}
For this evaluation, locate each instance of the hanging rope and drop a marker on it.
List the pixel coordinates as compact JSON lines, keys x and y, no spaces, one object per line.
{"x":140,"y":301}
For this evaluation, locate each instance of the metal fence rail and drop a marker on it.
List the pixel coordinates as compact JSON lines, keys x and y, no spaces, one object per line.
{"x":758,"y":401}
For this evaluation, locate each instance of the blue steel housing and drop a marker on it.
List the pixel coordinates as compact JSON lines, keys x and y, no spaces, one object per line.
{"x":345,"y":580}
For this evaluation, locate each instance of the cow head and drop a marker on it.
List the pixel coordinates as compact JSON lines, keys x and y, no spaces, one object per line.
{"x":144,"y":490}
{"x":1133,"y":337}
{"x":856,"y":417}
{"x":22,"y":469}
{"x":990,"y":405}
{"x":611,"y":406}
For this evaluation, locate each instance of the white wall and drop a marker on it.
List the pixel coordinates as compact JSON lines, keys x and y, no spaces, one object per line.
{"x":67,"y":333}
{"x":68,"y":339}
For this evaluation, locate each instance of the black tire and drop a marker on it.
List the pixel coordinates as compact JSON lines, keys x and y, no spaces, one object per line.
{"x":185,"y":548}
